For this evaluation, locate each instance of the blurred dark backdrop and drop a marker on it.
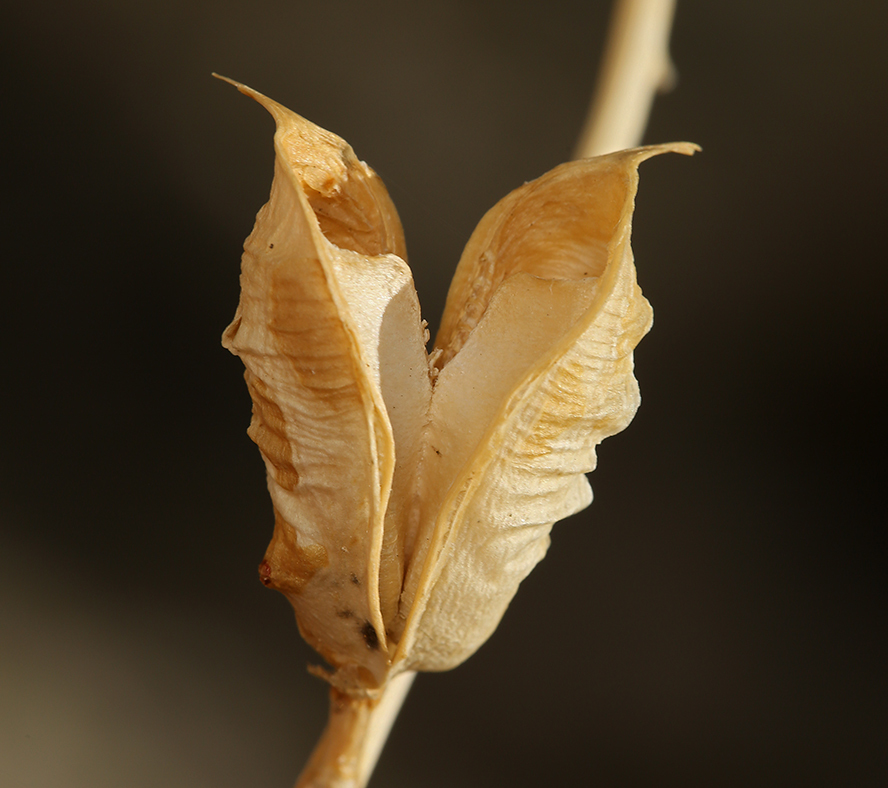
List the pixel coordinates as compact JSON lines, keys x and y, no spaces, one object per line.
{"x":715,"y":618}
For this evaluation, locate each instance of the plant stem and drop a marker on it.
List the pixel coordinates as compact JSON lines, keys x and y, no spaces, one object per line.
{"x":353,"y":739}
{"x":634,"y":67}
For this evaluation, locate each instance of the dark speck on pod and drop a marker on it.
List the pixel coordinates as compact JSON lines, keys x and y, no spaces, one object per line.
{"x":370,"y":636}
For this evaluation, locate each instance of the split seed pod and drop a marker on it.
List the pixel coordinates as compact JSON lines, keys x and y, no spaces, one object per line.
{"x":412,"y":493}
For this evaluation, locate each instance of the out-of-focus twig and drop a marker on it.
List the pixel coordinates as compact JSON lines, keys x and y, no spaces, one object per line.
{"x":635,"y":66}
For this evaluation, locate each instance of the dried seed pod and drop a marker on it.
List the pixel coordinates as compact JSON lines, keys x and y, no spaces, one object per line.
{"x":536,"y":369}
{"x":323,"y":295}
{"x":412,"y":494}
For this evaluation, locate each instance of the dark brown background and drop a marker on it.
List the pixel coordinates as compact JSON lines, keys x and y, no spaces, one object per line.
{"x":715,"y":618}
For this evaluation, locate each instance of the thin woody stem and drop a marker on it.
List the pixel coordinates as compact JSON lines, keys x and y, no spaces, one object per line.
{"x":353,"y":739}
{"x":635,"y":66}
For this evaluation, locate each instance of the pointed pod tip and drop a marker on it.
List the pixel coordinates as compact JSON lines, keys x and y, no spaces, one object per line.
{"x":685,"y":148}
{"x":646,"y":152}
{"x":278,"y":111}
{"x":239,"y":85}
{"x":636,"y":156}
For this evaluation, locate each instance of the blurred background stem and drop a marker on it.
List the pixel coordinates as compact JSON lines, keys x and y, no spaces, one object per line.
{"x":635,"y":66}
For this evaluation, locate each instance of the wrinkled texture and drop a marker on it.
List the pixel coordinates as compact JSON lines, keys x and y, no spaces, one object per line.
{"x":412,"y":492}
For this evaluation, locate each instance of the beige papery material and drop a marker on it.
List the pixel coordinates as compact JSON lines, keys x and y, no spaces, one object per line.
{"x":413,"y":493}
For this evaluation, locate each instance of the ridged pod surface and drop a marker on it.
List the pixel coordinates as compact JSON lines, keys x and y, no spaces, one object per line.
{"x":413,"y":492}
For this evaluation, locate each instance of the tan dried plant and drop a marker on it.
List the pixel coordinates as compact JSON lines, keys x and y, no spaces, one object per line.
{"x":414,"y":491}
